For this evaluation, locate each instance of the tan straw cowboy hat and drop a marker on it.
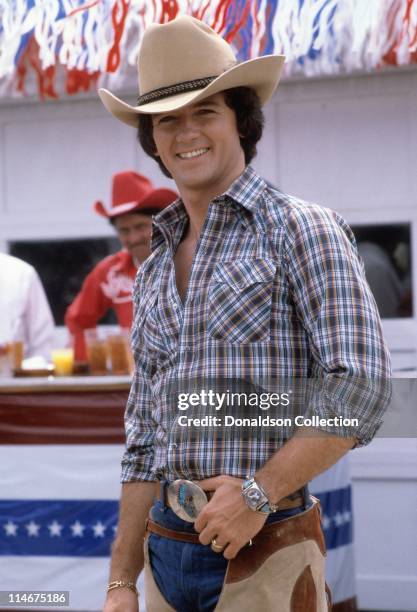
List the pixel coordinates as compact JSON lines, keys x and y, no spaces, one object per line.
{"x":184,"y":61}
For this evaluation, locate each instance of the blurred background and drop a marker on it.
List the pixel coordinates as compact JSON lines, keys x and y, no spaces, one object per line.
{"x":340,"y":131}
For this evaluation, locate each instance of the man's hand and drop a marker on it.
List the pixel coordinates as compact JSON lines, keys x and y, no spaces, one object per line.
{"x":127,"y":550}
{"x":226,"y":518}
{"x":121,"y":600}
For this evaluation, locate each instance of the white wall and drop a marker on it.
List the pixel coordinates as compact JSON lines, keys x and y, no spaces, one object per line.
{"x":349,"y":144}
{"x":56,"y":161}
{"x":346,"y":143}
{"x":384,"y":477}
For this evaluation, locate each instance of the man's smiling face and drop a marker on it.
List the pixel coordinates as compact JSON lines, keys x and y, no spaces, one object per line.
{"x":134,"y":231}
{"x":200,"y":145}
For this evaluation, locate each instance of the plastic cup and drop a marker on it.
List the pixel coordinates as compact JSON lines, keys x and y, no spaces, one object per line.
{"x":5,"y":365}
{"x":16,"y":354}
{"x":63,"y":360}
{"x":120,"y":355}
{"x":97,"y":352}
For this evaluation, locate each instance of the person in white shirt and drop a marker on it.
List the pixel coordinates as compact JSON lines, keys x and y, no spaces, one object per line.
{"x":24,"y":310}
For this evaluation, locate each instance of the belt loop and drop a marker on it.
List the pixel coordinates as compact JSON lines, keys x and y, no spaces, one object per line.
{"x":305,"y":494}
{"x":162,"y":494}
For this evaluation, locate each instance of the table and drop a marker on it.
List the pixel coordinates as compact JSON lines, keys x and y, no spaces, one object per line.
{"x":73,"y":410}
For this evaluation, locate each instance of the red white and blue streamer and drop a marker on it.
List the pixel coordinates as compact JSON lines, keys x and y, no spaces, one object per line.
{"x":57,"y":46}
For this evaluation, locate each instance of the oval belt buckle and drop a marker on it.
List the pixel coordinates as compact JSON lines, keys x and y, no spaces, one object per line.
{"x":186,"y":499}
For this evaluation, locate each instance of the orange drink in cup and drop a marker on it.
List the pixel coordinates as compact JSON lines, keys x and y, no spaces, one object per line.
{"x":120,"y":355}
{"x":97,"y":352}
{"x":63,"y":360}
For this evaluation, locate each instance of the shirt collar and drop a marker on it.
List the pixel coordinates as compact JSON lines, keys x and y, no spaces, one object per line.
{"x":247,"y":189}
{"x":166,"y":221}
{"x":244,"y":192}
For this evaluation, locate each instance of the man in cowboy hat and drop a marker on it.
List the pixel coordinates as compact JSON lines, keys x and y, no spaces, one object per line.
{"x":245,"y":284}
{"x":110,"y":283}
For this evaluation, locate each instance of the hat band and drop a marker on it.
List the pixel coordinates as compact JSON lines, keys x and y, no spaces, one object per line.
{"x":165,"y":92}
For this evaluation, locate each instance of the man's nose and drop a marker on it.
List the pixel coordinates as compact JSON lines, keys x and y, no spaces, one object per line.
{"x":187,"y":130}
{"x":140,"y":234}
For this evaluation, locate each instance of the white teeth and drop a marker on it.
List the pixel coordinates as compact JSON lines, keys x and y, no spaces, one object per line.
{"x":190,"y":154}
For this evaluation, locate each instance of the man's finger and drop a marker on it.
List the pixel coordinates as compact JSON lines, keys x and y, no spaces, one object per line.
{"x":207,"y":535}
{"x":201,"y":521}
{"x":231,"y":551}
{"x":217,"y":545}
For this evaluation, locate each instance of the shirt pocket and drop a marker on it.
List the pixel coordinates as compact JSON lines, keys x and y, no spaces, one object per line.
{"x":240,"y":299}
{"x":146,"y":332}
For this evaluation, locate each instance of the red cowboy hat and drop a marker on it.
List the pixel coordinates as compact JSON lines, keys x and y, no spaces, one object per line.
{"x":133,"y":191}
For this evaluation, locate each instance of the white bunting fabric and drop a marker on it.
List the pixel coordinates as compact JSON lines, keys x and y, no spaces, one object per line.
{"x":58,"y":515}
{"x":334,"y":490}
{"x":70,"y":46}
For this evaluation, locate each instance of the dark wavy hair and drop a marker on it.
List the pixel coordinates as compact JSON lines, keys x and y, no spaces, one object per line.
{"x":245,"y":103}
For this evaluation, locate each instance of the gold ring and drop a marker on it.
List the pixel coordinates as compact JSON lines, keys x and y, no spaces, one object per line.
{"x":215,"y":547}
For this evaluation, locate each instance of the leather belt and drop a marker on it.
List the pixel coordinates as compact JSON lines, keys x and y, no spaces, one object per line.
{"x":180,"y":536}
{"x":193,"y":538}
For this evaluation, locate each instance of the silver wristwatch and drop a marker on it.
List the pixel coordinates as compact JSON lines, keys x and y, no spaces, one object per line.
{"x":255,"y":497}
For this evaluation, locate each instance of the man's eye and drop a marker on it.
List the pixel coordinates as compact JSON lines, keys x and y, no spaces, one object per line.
{"x":167,"y":119}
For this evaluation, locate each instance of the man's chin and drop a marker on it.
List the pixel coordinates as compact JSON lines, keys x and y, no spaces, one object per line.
{"x":139,"y":254}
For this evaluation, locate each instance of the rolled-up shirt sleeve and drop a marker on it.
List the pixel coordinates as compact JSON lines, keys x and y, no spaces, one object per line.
{"x":140,"y":426}
{"x":349,"y":358}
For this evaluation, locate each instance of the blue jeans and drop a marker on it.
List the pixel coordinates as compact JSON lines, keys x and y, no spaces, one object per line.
{"x":190,"y":576}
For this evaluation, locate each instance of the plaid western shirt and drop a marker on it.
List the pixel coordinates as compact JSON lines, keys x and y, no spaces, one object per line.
{"x":276,"y":289}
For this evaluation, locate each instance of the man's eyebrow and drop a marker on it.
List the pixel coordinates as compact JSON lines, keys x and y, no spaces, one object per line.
{"x":206,"y":103}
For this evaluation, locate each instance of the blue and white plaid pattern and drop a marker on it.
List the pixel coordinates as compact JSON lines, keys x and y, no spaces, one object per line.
{"x":276,"y":290}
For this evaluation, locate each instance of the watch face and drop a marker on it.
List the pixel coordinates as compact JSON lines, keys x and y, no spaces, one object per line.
{"x":253,"y":497}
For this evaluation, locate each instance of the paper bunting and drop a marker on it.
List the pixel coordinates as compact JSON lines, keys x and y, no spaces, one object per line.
{"x":73,"y":45}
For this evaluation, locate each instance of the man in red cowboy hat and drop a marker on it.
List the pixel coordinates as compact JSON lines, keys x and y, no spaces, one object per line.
{"x":244,"y":286}
{"x":110,"y":283}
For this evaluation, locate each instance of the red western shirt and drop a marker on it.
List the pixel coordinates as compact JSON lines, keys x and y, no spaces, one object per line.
{"x":108,"y":285}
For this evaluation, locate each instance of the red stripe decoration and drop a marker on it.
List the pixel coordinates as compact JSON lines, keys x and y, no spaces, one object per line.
{"x":63,"y":418}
